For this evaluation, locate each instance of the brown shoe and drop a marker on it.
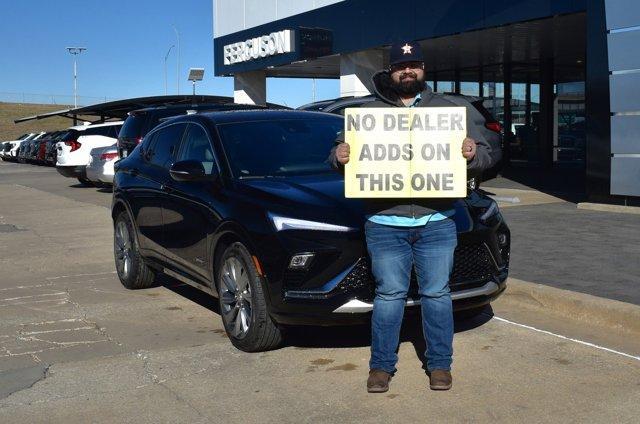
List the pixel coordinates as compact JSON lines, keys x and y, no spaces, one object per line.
{"x":378,"y":381}
{"x":440,"y":380}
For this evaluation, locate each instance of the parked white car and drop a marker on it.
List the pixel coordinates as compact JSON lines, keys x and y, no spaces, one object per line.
{"x":100,"y":168}
{"x":74,"y":151}
{"x":5,"y":145}
{"x":9,"y":149}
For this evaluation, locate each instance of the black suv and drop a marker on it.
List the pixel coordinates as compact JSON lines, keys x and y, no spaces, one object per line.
{"x":140,"y":122}
{"x":244,"y":205}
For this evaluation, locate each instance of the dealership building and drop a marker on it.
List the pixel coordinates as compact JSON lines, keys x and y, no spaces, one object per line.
{"x":562,"y":76}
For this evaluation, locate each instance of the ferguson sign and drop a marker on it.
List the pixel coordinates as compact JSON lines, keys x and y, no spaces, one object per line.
{"x":268,"y":45}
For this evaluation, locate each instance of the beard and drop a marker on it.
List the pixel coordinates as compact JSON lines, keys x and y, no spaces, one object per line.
{"x":409,"y":86}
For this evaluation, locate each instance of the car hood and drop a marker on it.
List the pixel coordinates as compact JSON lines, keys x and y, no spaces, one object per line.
{"x":317,"y":197}
{"x":321,"y":197}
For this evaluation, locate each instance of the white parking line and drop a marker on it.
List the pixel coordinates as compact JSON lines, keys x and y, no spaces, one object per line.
{"x":60,"y":302}
{"x":79,"y":275}
{"x":61,"y":330}
{"x":34,"y":295}
{"x":637,"y":358}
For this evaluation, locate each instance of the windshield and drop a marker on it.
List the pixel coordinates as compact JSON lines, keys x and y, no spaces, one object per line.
{"x":280,"y":147}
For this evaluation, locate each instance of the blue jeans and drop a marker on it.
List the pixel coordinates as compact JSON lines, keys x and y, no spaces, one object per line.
{"x":394,"y":252}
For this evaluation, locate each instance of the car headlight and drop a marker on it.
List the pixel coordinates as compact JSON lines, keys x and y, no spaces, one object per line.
{"x":283,"y":223}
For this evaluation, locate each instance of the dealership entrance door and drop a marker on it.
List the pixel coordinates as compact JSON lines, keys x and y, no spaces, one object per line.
{"x":532,"y":76}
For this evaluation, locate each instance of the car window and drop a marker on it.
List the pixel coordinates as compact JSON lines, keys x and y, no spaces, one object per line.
{"x":341,"y":109}
{"x":483,"y":111}
{"x":96,"y":131}
{"x":104,"y":131}
{"x":196,"y":146}
{"x":280,"y":147}
{"x":133,"y":126}
{"x":71,"y":135}
{"x":115,"y":130}
{"x":61,"y":135}
{"x":163,"y":144}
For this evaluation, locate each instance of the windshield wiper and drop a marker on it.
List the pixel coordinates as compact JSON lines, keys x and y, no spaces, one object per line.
{"x":259,"y":177}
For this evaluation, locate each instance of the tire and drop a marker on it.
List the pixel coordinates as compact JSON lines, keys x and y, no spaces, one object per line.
{"x":132,"y":270}
{"x":244,"y":312}
{"x":84,"y":181}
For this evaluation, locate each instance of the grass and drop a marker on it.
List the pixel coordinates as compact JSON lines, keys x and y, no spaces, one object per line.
{"x":11,"y":111}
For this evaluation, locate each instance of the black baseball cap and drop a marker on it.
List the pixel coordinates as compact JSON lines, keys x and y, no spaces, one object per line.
{"x":406,"y":51}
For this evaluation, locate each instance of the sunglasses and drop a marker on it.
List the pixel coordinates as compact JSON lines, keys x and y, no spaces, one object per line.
{"x":404,"y":65}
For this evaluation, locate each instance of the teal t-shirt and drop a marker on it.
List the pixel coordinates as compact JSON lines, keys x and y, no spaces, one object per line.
{"x":405,"y":221}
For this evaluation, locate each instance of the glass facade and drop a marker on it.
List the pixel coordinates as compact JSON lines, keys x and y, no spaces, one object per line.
{"x":536,"y":133}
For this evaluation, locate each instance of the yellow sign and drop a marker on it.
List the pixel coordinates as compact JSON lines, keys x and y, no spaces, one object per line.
{"x":406,"y":152}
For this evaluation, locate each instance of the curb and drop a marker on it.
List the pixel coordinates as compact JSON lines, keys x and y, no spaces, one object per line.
{"x":581,"y":307}
{"x":603,"y":207}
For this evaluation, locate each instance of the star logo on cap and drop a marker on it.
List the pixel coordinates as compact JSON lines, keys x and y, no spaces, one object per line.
{"x":406,"y":49}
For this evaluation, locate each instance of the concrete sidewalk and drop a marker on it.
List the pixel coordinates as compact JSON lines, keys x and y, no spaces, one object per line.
{"x":556,"y":244}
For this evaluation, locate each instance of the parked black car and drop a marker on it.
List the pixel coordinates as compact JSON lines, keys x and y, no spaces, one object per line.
{"x":140,"y":122}
{"x":243,"y":205}
{"x":51,"y":152}
{"x":44,"y":144}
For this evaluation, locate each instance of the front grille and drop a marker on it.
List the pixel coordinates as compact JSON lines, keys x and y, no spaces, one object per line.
{"x":472,"y":267}
{"x":471,"y":262}
{"x":294,"y":278}
{"x":359,"y":277}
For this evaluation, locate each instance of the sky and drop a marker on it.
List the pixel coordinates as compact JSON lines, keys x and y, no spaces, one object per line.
{"x":126,"y":45}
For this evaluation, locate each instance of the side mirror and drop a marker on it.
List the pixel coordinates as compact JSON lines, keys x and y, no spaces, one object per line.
{"x":188,"y":170}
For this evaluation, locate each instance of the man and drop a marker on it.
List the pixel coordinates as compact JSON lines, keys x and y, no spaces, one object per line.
{"x":406,"y":233}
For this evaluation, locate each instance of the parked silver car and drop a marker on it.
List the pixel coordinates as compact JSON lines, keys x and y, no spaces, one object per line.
{"x":100,"y":167}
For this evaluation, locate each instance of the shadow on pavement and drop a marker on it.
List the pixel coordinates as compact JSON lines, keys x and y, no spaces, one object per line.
{"x":347,"y":336}
{"x":201,"y":298}
{"x":463,"y":321}
{"x":360,"y":335}
{"x":567,"y":184}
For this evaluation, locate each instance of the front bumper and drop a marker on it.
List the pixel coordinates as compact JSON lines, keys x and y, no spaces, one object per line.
{"x":490,"y":290}
{"x":476,"y":280}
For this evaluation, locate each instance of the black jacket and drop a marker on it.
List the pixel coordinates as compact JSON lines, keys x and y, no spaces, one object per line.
{"x":387,"y":97}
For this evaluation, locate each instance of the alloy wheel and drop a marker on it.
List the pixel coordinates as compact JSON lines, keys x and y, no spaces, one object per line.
{"x":235,"y":296}
{"x":123,"y":249}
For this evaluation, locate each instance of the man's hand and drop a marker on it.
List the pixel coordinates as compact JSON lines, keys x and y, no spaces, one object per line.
{"x":342,"y":153}
{"x":468,"y":148}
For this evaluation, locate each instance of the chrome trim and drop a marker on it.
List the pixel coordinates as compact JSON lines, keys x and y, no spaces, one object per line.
{"x":355,"y":306}
{"x":490,"y":253}
{"x":325,"y":289}
{"x":189,"y":282}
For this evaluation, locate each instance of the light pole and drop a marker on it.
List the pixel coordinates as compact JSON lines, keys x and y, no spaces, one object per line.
{"x":165,"y":68}
{"x":178,"y":61}
{"x":195,"y":74}
{"x":75,"y":51}
{"x":313,"y":91}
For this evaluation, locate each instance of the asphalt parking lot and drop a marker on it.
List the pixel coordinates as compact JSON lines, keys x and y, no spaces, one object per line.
{"x":75,"y":346}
